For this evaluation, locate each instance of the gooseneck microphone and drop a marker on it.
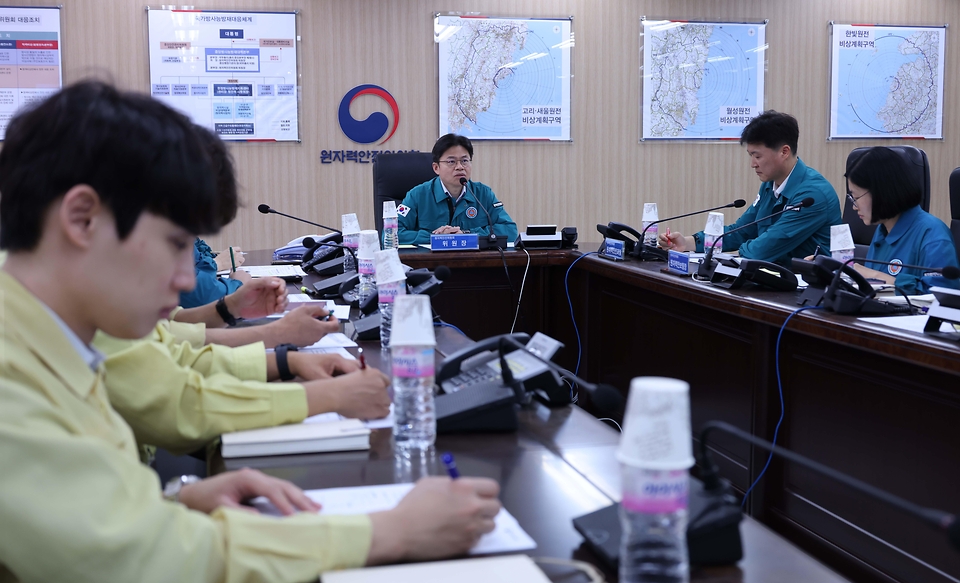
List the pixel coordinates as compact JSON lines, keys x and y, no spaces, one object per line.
{"x":492,"y":237}
{"x":706,"y":270}
{"x":943,"y":521}
{"x":606,"y":397}
{"x":265,"y":209}
{"x":739,"y":203}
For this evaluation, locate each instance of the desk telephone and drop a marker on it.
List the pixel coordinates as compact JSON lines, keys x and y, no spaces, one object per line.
{"x":316,"y":257}
{"x":473,"y":396}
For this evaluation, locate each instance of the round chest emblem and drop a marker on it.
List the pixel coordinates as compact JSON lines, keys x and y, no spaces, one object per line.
{"x":896,"y":267}
{"x":471,"y":212}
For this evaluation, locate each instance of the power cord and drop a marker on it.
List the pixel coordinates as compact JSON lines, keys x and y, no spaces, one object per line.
{"x":776,"y":431}
{"x":523,"y":283}
{"x":576,"y":329}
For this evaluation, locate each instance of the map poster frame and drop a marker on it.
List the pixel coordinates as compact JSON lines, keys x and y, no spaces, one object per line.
{"x":234,"y":72}
{"x":519,"y":88}
{"x":904,"y":111}
{"x":31,"y":57}
{"x":709,"y":101}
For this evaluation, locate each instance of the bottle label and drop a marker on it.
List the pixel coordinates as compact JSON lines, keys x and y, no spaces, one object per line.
{"x":388,"y":292}
{"x":413,"y":362}
{"x":366,"y":266}
{"x":656,"y":492}
{"x":650,"y":237}
{"x":392,"y":223}
{"x":709,"y":240}
{"x":352,"y":240}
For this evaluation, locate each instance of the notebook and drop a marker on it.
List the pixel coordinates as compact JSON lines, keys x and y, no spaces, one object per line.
{"x":343,"y":435}
{"x":508,"y":569}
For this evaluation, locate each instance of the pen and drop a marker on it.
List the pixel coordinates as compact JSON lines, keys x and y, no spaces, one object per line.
{"x":816,"y":251}
{"x":363,"y":361}
{"x":233,"y":262}
{"x":448,"y":461}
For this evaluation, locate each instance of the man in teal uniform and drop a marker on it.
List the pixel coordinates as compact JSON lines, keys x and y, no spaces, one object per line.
{"x":444,"y":205}
{"x":771,"y":140}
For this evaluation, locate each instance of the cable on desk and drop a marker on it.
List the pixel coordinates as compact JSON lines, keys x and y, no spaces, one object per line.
{"x":513,"y":291}
{"x":440,"y":322}
{"x":576,"y":330}
{"x":523,"y":283}
{"x":776,"y":431}
{"x":620,"y":429}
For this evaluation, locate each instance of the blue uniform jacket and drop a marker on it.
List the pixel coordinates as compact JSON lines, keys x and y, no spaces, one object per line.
{"x":792,"y":234}
{"x":426,"y":208}
{"x":917,"y":238}
{"x":210,"y":287}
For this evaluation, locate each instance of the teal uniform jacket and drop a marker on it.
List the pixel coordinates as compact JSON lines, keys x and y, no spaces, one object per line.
{"x":917,"y":238}
{"x":428,"y":207}
{"x":210,"y":287}
{"x":792,"y":234}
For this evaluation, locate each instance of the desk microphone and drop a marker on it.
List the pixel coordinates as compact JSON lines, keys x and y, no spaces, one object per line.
{"x":606,"y":397}
{"x":849,"y":302}
{"x":938,"y":519}
{"x":707,"y":267}
{"x":265,"y":209}
{"x":648,"y":249}
{"x":491,"y":237}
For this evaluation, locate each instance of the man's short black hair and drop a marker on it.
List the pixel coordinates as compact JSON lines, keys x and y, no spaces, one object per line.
{"x":223,"y":169}
{"x":773,"y":130}
{"x":889,"y":180}
{"x":449,"y":141}
{"x":135,"y":152}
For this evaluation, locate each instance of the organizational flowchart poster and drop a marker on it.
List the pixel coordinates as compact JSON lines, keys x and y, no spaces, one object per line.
{"x":30,"y":68}
{"x":233,"y":72}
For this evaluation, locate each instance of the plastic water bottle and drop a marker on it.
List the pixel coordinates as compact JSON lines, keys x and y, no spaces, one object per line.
{"x":391,"y":227}
{"x":353,"y":242}
{"x":367,"y":286}
{"x":709,"y":239}
{"x":415,"y":419}
{"x":653,"y":517}
{"x":650,"y":216}
{"x":388,"y":293}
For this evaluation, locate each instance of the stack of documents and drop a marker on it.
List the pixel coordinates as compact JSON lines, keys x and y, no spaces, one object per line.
{"x":342,"y":435}
{"x":509,"y":569}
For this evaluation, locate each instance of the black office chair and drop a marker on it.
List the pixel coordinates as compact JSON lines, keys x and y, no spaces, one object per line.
{"x":917,"y":161}
{"x":395,"y":174}
{"x":955,"y":208}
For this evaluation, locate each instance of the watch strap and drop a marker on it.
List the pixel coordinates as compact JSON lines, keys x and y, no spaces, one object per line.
{"x":224,"y":312}
{"x":283,"y":366}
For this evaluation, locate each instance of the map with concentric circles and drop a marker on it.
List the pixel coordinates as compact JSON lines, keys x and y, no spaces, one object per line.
{"x":886,"y":81}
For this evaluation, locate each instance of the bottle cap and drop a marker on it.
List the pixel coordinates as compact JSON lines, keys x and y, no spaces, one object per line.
{"x":412,"y":321}
{"x":369,"y":244}
{"x":714,"y":224}
{"x":388,"y":267}
{"x":840,"y":238}
{"x":389,"y":209}
{"x":656,"y":426}
{"x":349,"y":224}
{"x":650,"y":212}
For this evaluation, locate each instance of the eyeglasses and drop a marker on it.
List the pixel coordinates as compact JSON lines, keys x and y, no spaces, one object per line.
{"x":451,"y":163}
{"x":854,"y":200}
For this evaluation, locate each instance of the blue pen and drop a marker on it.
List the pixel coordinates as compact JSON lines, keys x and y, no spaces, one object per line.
{"x":448,"y":461}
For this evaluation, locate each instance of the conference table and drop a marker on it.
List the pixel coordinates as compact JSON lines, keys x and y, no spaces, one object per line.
{"x":876,"y":402}
{"x":558,"y":465}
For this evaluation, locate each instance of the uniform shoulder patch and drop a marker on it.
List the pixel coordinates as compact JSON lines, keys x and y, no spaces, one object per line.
{"x":497,"y":204}
{"x":402,"y":210}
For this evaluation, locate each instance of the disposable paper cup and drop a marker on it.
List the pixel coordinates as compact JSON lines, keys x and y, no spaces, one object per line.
{"x":656,"y":427}
{"x":840,"y":238}
{"x":349,"y":223}
{"x":714,"y":224}
{"x":388,"y":267}
{"x":412,"y":322}
{"x":650,"y":212}
{"x":369,"y":244}
{"x":389,"y":209}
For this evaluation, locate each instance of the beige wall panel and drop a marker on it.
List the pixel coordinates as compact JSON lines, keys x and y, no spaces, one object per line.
{"x":603,"y":175}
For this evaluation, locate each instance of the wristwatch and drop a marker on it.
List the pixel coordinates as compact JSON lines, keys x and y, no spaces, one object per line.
{"x":224,"y":312}
{"x":171,"y":491}
{"x":283,"y":367}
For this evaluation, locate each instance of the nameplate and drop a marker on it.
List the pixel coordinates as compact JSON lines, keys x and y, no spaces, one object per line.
{"x":678,"y":262}
{"x":462,"y":242}
{"x":613,"y":249}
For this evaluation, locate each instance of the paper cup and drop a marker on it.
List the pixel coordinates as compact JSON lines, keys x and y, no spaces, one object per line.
{"x":650,"y":212}
{"x":369,"y":244}
{"x":412,"y":322}
{"x":349,"y":223}
{"x":840,"y":238}
{"x":389,"y":209}
{"x":656,"y":427}
{"x":714,"y":224}
{"x":388,"y":267}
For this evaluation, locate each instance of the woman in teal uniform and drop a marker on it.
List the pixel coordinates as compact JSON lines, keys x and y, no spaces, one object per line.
{"x":881,"y":192}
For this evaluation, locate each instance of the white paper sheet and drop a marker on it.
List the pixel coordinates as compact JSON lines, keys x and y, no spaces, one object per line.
{"x":273,"y":270}
{"x":908,"y":323}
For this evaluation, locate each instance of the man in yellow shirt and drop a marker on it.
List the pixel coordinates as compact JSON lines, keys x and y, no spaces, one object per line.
{"x":107,"y":191}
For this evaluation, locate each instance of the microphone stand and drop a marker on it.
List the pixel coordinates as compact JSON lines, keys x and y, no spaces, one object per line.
{"x":939,"y":519}
{"x":265,"y":209}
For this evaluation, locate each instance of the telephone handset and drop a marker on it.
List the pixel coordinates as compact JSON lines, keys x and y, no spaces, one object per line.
{"x":862,"y":287}
{"x":320,"y":253}
{"x":854,"y":299}
{"x":636,"y":243}
{"x":452,"y":364}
